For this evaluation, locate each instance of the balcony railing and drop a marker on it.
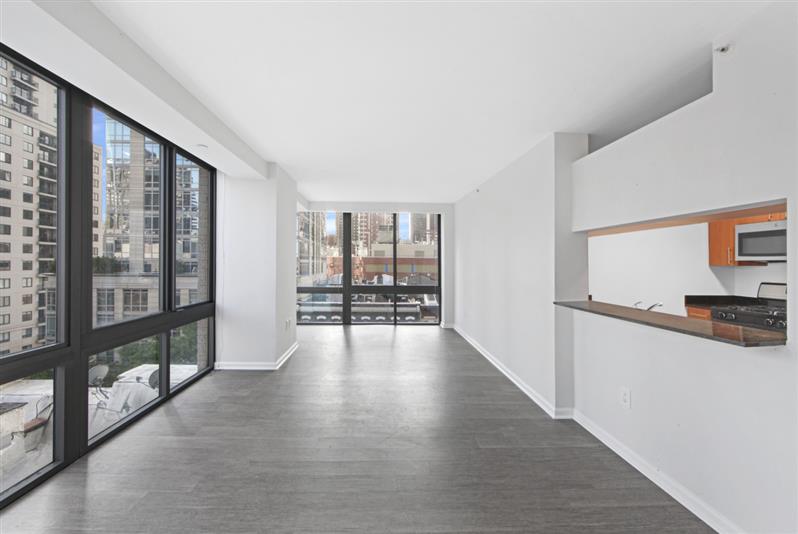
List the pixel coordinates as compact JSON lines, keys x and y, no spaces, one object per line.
{"x":24,"y":109}
{"x":46,"y":252}
{"x":48,"y":141}
{"x":48,"y":188}
{"x":24,"y":95}
{"x":45,"y":157}
{"x":48,"y":173}
{"x":24,"y":77}
{"x":47,"y":236}
{"x":48,"y":204}
{"x":47,"y":268}
{"x":47,"y":219}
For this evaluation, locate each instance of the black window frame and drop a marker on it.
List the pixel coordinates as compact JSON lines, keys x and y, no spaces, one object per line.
{"x":172,"y":213}
{"x":347,"y":288}
{"x":77,"y":337}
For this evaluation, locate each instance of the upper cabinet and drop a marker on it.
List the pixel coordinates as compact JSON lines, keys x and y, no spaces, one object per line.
{"x":722,"y":239}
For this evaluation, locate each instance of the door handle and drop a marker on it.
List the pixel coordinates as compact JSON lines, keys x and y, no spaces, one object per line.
{"x":728,"y":255}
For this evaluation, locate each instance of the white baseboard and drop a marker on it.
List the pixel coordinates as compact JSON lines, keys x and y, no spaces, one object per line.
{"x":536,"y":397}
{"x":257,"y":366}
{"x":287,"y":354}
{"x":684,"y":496}
{"x":563,"y":413}
{"x":243,"y":366}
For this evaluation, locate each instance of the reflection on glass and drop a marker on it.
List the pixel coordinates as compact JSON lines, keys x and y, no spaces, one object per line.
{"x":121,"y":381}
{"x":30,"y":183}
{"x":126,"y":222}
{"x":325,"y":308}
{"x":319,"y":260}
{"x":417,"y":249}
{"x":372,"y":309}
{"x":192,"y":232}
{"x":188,"y":351}
{"x":26,"y":427}
{"x":417,"y":308}
{"x":372,"y":249}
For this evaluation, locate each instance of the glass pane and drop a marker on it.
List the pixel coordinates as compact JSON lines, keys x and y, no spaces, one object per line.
{"x":372,"y":249}
{"x":26,"y":427}
{"x":372,"y":309}
{"x":126,"y":222}
{"x":30,"y":183}
{"x":417,"y":308}
{"x":319,"y":259}
{"x":189,"y":351}
{"x":192,"y":232}
{"x":417,"y":249}
{"x":121,"y":381}
{"x":315,"y":308}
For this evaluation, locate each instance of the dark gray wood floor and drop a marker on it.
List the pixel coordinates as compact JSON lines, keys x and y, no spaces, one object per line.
{"x":366,"y":429}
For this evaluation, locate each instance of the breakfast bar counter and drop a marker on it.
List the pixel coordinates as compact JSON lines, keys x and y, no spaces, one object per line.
{"x":742,"y":336}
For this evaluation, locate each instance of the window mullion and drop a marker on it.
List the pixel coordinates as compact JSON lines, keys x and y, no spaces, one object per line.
{"x":395,"y":273}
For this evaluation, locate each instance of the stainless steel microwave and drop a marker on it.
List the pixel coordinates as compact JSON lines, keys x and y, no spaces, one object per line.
{"x":765,"y":241}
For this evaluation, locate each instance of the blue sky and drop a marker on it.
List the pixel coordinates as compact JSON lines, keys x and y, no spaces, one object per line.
{"x":404,"y":226}
{"x":330,"y":224}
{"x":98,"y":127}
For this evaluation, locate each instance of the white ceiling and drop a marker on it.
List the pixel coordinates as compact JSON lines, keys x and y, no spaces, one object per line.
{"x":420,"y":102}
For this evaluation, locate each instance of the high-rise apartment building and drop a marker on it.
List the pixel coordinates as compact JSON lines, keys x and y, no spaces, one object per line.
{"x":97,"y":227}
{"x":192,"y":240}
{"x":28,"y":208}
{"x":421,"y":227}
{"x":311,"y":247}
{"x":126,"y":210}
{"x":366,"y":231}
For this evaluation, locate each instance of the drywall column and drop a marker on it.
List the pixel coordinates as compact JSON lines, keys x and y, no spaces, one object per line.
{"x":514,"y":255}
{"x":570,"y":266}
{"x":285,"y":263}
{"x":255,"y":266}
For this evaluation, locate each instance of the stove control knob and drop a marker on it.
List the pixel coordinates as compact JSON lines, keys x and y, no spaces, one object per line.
{"x":731,"y":316}
{"x":769,"y":322}
{"x":782,"y":324}
{"x":721,"y":315}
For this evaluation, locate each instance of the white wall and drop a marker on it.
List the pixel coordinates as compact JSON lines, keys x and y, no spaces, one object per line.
{"x":256,"y":266}
{"x":509,"y":263}
{"x":731,"y":148}
{"x":747,"y":279}
{"x":710,"y":422}
{"x":285,"y":261}
{"x":713,"y":423}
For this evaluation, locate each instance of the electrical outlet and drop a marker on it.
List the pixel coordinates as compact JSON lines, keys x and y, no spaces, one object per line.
{"x":626,"y":398}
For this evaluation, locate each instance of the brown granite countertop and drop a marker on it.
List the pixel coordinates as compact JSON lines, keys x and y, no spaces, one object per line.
{"x":742,"y":336}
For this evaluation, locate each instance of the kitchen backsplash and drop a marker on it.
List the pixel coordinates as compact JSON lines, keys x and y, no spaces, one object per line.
{"x":747,"y":279}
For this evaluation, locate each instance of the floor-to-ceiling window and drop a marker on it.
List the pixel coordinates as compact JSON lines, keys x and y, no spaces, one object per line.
{"x":106,"y":272}
{"x":368,"y":268}
{"x":320,"y":267}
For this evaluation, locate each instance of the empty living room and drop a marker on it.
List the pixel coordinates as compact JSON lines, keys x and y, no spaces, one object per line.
{"x":401,"y":266}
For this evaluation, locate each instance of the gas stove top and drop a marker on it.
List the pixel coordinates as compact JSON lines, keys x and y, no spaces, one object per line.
{"x":768,"y":312}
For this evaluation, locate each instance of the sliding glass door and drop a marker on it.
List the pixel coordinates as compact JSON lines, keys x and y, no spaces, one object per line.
{"x":368,"y":268}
